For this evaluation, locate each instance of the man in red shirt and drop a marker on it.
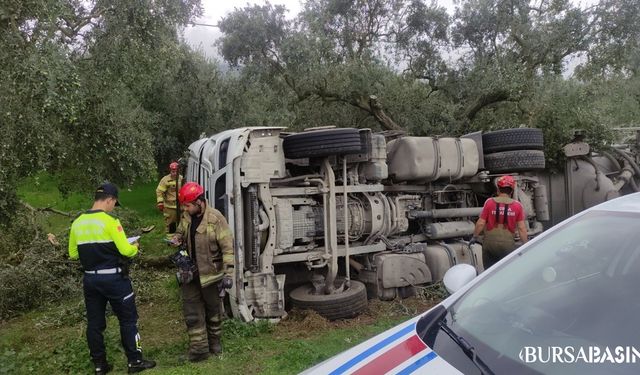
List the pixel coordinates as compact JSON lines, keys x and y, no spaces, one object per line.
{"x":500,"y":218}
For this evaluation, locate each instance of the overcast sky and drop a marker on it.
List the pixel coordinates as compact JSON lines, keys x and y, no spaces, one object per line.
{"x":203,"y":36}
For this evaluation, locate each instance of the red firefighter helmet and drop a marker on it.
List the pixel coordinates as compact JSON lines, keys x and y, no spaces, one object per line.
{"x":189,"y":192}
{"x":173,"y":166}
{"x":506,"y":181}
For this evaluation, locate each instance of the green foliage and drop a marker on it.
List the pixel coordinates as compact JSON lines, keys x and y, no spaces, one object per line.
{"x":254,"y":33}
{"x":187,"y":103}
{"x":616,"y":100}
{"x":616,"y":48}
{"x":250,"y":101}
{"x":236,"y":328}
{"x":105,"y":90}
{"x":73,"y":81}
{"x":558,"y":108}
{"x":34,"y":275}
{"x":18,"y":233}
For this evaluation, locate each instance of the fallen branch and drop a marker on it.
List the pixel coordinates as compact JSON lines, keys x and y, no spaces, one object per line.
{"x":55,"y":211}
{"x":155,"y":262}
{"x":46,"y":209}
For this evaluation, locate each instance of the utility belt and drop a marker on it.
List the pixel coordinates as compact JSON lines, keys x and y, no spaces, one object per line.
{"x":106,"y":271}
{"x":122,"y":269}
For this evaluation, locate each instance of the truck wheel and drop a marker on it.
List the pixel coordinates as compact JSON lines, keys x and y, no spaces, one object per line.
{"x":514,"y":161}
{"x":512,"y":139}
{"x":320,"y":143}
{"x":347,"y":304}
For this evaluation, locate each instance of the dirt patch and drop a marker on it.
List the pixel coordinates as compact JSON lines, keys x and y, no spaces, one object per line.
{"x":398,"y":308}
{"x":303,"y":323}
{"x":299,"y":323}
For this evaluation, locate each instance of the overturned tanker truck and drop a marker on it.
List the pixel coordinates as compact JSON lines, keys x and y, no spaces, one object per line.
{"x":328,"y":218}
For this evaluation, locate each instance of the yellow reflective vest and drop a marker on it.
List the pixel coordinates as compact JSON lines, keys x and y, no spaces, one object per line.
{"x":99,"y":241}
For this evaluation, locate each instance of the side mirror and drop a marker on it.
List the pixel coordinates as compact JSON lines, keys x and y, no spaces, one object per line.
{"x":458,"y":276}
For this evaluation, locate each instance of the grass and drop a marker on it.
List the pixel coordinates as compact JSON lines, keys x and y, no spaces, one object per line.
{"x":51,"y":339}
{"x":40,"y":191}
{"x":38,"y":343}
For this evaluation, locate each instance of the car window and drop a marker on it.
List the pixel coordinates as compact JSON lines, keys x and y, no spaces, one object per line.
{"x":575,"y":287}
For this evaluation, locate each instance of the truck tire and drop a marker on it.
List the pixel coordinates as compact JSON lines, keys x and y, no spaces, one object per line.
{"x":514,"y":161}
{"x":512,"y":139}
{"x":345,"y":305}
{"x":321,"y":143}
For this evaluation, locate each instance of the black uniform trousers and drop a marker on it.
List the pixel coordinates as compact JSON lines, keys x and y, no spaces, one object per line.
{"x":118,"y":291}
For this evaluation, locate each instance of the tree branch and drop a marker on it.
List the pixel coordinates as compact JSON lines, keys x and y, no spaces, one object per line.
{"x":485,"y":100}
{"x":46,"y":209}
{"x":379,"y":114}
{"x":74,"y":26}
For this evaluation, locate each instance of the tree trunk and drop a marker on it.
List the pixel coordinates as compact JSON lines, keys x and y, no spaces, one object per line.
{"x":485,"y":100}
{"x":372,"y":106}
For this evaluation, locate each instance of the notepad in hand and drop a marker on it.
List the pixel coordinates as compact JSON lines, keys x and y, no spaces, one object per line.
{"x":133,"y":239}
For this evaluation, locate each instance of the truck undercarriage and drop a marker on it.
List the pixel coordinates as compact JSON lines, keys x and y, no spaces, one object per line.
{"x":327,"y":218}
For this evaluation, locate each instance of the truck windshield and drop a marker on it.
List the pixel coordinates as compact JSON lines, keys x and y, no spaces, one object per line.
{"x":573,"y":292}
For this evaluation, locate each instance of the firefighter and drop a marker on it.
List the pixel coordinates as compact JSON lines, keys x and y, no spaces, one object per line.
{"x":98,"y":240}
{"x":166,"y":197}
{"x":209,"y":242}
{"x":501,"y":216}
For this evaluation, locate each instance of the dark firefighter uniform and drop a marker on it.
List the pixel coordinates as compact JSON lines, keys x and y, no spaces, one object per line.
{"x":99,"y":241}
{"x":210,"y":244}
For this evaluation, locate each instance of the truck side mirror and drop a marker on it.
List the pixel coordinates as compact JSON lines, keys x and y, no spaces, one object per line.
{"x":458,"y":276}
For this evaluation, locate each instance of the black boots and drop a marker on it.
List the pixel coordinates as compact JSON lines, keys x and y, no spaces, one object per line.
{"x":215,"y":347}
{"x":197,"y":357}
{"x":140,"y":365}
{"x":103,"y":368}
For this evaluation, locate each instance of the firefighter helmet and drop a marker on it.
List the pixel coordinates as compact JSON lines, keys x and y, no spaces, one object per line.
{"x":506,"y":181}
{"x":190,"y":192}
{"x":173,"y":166}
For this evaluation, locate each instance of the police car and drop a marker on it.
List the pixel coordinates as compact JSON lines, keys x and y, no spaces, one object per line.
{"x":564,"y":303}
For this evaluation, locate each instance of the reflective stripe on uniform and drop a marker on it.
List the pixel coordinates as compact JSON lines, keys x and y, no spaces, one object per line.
{"x":107,"y":271}
{"x":98,"y":239}
{"x":90,"y":242}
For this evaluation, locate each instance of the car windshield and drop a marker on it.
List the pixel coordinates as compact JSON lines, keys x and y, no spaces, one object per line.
{"x":575,"y":289}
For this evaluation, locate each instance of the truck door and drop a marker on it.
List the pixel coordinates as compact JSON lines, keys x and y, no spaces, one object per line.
{"x":218,"y":197}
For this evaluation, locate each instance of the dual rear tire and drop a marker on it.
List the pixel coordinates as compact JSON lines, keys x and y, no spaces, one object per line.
{"x":513,"y":150}
{"x":322,"y":143}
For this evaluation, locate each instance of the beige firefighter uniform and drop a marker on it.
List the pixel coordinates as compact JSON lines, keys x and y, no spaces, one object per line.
{"x":214,"y":258}
{"x":167,"y":194}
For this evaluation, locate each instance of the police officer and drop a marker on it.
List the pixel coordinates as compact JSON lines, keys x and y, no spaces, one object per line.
{"x":98,"y":240}
{"x":501,"y":216}
{"x":209,"y":242}
{"x":166,"y":197}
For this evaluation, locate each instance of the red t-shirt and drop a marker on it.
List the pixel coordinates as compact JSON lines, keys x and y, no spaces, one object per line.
{"x":515,"y":213}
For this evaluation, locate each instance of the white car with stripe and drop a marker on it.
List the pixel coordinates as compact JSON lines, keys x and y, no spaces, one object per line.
{"x":574,"y":288}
